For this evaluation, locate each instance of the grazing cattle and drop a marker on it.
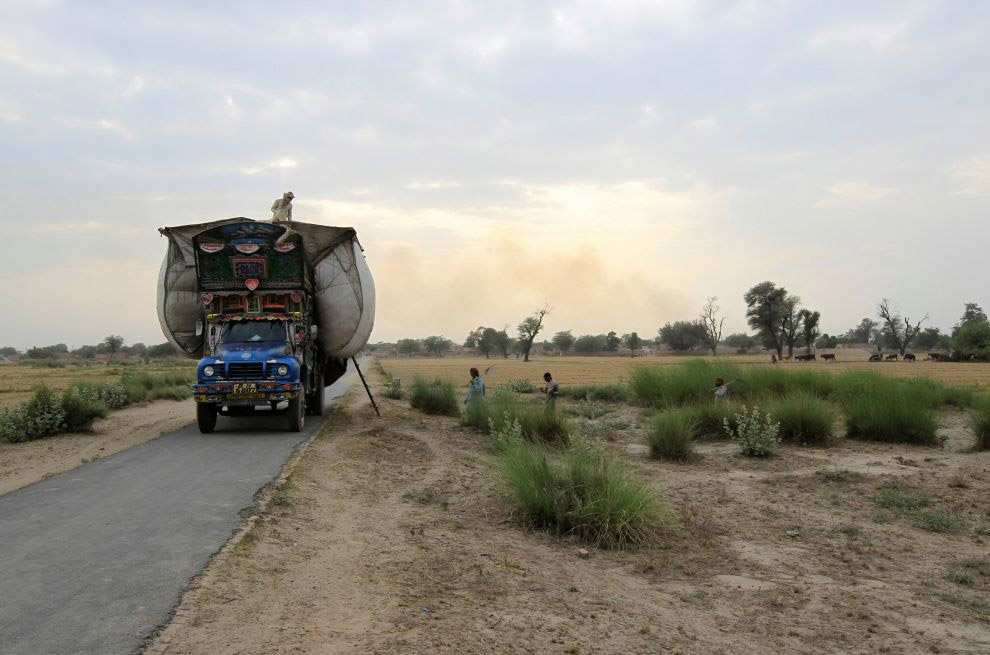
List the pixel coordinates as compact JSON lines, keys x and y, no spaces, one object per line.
{"x":828,"y":357}
{"x":874,"y":358}
{"x":935,"y":357}
{"x":891,"y":358}
{"x":805,"y":358}
{"x":786,"y":358}
{"x":909,"y":357}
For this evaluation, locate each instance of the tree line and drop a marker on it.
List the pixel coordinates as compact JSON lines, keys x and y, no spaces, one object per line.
{"x":111,"y":345}
{"x":777,"y":317}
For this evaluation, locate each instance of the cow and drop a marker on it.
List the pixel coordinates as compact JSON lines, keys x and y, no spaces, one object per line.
{"x":828,"y":357}
{"x":909,"y":357}
{"x":891,"y":357}
{"x":874,"y":357}
{"x":805,"y":358}
{"x":936,"y":357}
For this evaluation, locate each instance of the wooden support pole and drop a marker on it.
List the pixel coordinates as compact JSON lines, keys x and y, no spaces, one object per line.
{"x":366,"y":388}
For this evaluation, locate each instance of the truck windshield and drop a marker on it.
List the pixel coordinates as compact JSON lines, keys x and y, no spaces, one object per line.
{"x":242,"y":331}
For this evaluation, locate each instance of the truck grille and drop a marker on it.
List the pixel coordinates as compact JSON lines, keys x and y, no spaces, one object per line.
{"x":245,"y":370}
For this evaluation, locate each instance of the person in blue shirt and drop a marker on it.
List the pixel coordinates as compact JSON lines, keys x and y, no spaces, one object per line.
{"x":476,"y":389}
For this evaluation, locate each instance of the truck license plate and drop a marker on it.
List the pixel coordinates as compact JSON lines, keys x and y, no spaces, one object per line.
{"x":241,"y":388}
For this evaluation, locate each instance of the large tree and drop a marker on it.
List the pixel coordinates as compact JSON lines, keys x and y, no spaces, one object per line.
{"x":529,"y":328}
{"x":740,"y":341}
{"x":564,"y":341}
{"x":767,"y":310}
{"x":111,"y":344}
{"x":488,"y":341}
{"x":790,"y":323}
{"x":898,"y":330}
{"x":682,"y":335}
{"x":865,"y":332}
{"x":712,"y":320}
{"x":809,"y":328}
{"x":612,"y":342}
{"x":590,"y":343}
{"x":503,"y":343}
{"x":407,"y":346}
{"x":633,"y":341}
{"x":437,"y":345}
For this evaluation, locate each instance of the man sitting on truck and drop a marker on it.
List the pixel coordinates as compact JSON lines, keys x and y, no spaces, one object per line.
{"x":282,"y":213}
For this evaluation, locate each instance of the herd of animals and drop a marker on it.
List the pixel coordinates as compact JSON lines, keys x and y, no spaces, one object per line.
{"x":876,"y":357}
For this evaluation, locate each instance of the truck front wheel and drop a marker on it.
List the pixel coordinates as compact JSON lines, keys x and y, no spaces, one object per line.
{"x":297,"y":412}
{"x":314,"y":404}
{"x":206,"y":417}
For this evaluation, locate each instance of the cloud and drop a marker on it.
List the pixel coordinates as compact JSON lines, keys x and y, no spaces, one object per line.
{"x":854,"y":192}
{"x":87,"y":227}
{"x":434,"y":184}
{"x":705,"y":123}
{"x":284,"y":162}
{"x":9,"y":112}
{"x":878,"y":36}
{"x":134,"y":87}
{"x":68,"y":64}
{"x":974,"y":173}
{"x":103,"y":124}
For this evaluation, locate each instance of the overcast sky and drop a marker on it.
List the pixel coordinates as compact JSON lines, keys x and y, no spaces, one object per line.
{"x":620,"y":161}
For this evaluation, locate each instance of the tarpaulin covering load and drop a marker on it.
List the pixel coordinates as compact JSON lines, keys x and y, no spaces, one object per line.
{"x":343,"y":289}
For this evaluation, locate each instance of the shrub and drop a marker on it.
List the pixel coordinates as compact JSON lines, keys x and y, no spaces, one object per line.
{"x":80,"y":412}
{"x":711,"y":418}
{"x":979,"y":423}
{"x":671,"y":434}
{"x":538,"y":423}
{"x":434,"y":397}
{"x":393,"y":389}
{"x":13,"y":424}
{"x":520,"y":385}
{"x":586,"y":494}
{"x":757,"y":435}
{"x":591,"y":409}
{"x":803,"y":419}
{"x":882,"y":409}
{"x":113,"y":396}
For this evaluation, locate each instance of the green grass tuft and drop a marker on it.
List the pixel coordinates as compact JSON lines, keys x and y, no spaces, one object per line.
{"x":979,"y":423}
{"x":878,"y":408}
{"x":671,"y":434}
{"x":803,"y":419}
{"x":434,"y":397}
{"x":503,"y":407}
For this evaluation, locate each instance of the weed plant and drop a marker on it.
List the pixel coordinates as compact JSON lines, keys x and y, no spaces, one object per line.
{"x":803,"y":419}
{"x":520,"y":385}
{"x":671,"y":434}
{"x":584,"y":492}
{"x":609,"y":393}
{"x":434,"y":397}
{"x":80,"y":412}
{"x":757,"y":434}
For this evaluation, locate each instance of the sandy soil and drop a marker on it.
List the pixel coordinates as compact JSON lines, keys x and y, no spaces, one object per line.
{"x":24,"y":463}
{"x":394,"y":535}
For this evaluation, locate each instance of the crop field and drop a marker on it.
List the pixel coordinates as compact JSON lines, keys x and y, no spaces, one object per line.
{"x":602,"y":370}
{"x":17,"y":381}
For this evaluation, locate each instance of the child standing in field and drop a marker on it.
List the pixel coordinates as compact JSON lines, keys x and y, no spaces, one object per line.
{"x":721,"y":390}
{"x":476,"y":389}
{"x":552,"y":390}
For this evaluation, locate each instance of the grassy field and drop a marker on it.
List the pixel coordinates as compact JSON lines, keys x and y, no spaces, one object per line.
{"x":602,"y":370}
{"x":17,"y":381}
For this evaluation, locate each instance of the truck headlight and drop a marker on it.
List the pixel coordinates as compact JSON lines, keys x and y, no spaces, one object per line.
{"x":282,"y":370}
{"x":208,"y":371}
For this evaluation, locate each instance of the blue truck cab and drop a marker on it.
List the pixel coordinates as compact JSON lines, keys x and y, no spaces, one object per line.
{"x":260,"y":346}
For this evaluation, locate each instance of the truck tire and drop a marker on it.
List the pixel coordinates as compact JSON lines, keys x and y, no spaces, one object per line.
{"x":206,"y":417}
{"x":297,"y":413}
{"x":314,"y":404}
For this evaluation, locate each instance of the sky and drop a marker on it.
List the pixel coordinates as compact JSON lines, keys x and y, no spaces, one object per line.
{"x":619,"y":161}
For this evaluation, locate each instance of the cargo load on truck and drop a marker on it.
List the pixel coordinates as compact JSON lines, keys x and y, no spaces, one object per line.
{"x":342,"y":285}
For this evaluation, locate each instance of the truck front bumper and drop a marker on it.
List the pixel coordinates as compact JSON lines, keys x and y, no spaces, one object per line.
{"x":234,"y":393}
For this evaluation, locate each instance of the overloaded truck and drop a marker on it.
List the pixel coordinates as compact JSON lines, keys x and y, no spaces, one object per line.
{"x":272,"y":314}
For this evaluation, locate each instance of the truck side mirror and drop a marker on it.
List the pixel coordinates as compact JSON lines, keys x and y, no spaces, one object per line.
{"x":312,"y":332}
{"x":199,"y":327}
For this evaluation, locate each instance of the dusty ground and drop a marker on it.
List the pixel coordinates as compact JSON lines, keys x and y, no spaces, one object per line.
{"x":595,"y":370}
{"x":24,"y":463}
{"x":394,"y":535}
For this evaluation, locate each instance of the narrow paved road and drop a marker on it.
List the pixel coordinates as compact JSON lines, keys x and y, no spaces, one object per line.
{"x":93,"y":560}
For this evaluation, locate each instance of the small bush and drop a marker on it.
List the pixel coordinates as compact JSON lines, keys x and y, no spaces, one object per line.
{"x":892,"y":496}
{"x":757,"y":435}
{"x":803,"y":419}
{"x":520,"y":385}
{"x":591,"y":409}
{"x":586,"y":494}
{"x":883,"y":409}
{"x":393,"y":390}
{"x":13,"y":424}
{"x":671,"y":434}
{"x":711,"y":418}
{"x":979,"y":423}
{"x":80,"y":412}
{"x":434,"y":397}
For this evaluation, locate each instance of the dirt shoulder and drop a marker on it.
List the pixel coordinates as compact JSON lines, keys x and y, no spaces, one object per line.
{"x":395,"y":535}
{"x":24,"y":463}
